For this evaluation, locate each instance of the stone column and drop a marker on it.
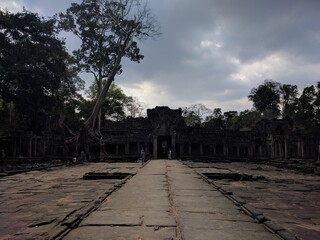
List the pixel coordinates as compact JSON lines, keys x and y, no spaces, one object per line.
{"x":189,"y":148}
{"x":29,"y":146}
{"x":138,"y":147}
{"x":117,"y":149}
{"x":238,"y":151}
{"x":272,"y":150}
{"x":126,"y":149}
{"x":280,"y":150}
{"x":285,"y":149}
{"x":146,"y":146}
{"x":34,"y":147}
{"x":155,"y":148}
{"x":250,"y":151}
{"x":182,"y":149}
{"x":14,"y":147}
{"x":173,"y":146}
{"x":225,"y":150}
{"x":201,"y":149}
{"x":319,"y":152}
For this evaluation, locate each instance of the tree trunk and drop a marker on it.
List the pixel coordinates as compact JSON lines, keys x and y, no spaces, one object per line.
{"x":91,"y":128}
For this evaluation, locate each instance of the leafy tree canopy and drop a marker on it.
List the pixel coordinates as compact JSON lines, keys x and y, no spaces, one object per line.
{"x":34,"y":65}
{"x":266,"y":97}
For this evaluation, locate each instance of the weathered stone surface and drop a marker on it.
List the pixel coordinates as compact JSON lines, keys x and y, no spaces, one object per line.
{"x":37,"y":204}
{"x":164,"y":200}
{"x":114,"y":217}
{"x":287,"y":198}
{"x":200,"y":234}
{"x":121,"y":233}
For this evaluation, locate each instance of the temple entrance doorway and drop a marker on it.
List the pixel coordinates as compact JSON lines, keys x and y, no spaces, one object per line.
{"x":164,"y":144}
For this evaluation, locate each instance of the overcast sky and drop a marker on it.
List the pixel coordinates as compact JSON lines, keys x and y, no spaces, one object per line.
{"x":215,"y":51}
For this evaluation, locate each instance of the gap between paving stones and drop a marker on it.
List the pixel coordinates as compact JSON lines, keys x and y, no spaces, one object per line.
{"x":73,"y":219}
{"x":250,"y":210}
{"x":173,"y":205}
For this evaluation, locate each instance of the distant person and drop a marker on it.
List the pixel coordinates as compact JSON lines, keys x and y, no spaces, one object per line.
{"x":169,"y":154}
{"x":142,"y":155}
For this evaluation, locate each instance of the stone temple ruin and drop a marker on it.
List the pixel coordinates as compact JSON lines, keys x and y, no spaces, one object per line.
{"x":164,"y":129}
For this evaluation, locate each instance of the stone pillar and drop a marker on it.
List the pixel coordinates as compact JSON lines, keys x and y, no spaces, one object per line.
{"x":29,"y":146}
{"x":117,"y":149}
{"x":319,"y":151}
{"x":272,"y":150}
{"x":182,"y":149}
{"x":138,"y":147}
{"x":19,"y":143}
{"x":126,"y":149}
{"x":225,"y":150}
{"x":155,"y":148}
{"x":34,"y":147}
{"x":189,"y":148}
{"x":214,"y":149}
{"x":14,"y":147}
{"x":201,"y":149}
{"x":238,"y":151}
{"x":173,"y":146}
{"x":146,"y":148}
{"x":250,"y":151}
{"x":302,"y":150}
{"x":285,"y":149}
{"x":280,"y":150}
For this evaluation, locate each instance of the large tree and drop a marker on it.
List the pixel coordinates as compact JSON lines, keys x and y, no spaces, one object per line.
{"x":116,"y":106}
{"x":289,"y":99}
{"x":33,"y":66}
{"x":266,"y":97}
{"x":215,"y":120}
{"x":195,"y":114}
{"x":109,"y":31}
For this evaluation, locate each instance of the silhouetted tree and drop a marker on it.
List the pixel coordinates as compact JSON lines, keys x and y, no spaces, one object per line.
{"x":34,"y":67}
{"x":266,"y":97}
{"x":195,"y":114}
{"x":109,"y":31}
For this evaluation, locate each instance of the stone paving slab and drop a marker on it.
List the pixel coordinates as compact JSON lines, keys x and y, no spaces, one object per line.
{"x":34,"y":204}
{"x":287,"y":198}
{"x":121,"y":233}
{"x":164,"y":200}
{"x":200,"y":234}
{"x":167,"y":200}
{"x":139,"y":210}
{"x":230,"y":222}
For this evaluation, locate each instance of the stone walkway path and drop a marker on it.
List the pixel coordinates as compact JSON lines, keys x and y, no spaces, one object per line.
{"x":44,"y":204}
{"x":168,"y":200}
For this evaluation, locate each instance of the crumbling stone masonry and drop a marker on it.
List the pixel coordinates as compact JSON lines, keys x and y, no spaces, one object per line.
{"x":164,"y":129}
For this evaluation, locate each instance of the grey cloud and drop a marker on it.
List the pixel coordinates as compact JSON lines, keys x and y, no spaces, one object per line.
{"x":249,"y":30}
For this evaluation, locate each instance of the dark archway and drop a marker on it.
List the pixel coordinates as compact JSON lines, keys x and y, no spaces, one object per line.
{"x":164,"y":144}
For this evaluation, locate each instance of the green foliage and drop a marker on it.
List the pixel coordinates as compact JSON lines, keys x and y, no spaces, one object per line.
{"x":108,"y":31}
{"x":34,"y":72}
{"x":266,"y":97}
{"x":230,"y":119}
{"x":116,"y":106}
{"x":99,"y":26}
{"x":195,"y":114}
{"x":307,"y":118}
{"x":289,"y":99}
{"x":215,"y":120}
